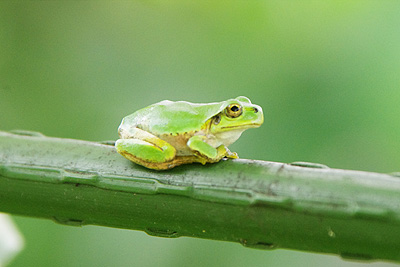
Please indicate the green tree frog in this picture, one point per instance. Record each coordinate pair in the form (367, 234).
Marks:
(167, 134)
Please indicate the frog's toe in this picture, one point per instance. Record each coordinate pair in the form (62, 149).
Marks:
(232, 155)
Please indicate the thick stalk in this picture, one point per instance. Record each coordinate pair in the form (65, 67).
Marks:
(260, 204)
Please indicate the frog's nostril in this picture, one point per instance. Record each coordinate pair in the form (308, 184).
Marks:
(255, 110)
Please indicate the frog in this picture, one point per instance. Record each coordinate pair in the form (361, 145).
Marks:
(171, 133)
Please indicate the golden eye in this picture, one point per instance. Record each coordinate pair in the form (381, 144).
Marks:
(233, 110)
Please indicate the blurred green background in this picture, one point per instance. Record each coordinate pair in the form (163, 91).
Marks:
(327, 74)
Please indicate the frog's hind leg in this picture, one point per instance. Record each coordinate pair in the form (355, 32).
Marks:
(145, 149)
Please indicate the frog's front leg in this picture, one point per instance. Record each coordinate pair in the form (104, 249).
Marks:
(145, 148)
(211, 154)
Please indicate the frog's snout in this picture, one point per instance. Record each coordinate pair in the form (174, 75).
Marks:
(258, 112)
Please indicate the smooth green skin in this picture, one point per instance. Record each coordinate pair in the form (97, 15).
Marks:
(167, 134)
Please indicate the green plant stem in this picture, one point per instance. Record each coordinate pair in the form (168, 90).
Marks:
(260, 204)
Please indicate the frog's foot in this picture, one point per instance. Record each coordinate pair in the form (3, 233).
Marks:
(224, 152)
(229, 154)
(207, 153)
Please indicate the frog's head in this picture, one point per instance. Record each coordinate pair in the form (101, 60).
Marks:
(235, 116)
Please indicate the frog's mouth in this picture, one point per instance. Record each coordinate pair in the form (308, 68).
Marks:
(242, 126)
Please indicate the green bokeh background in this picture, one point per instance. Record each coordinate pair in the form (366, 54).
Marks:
(327, 74)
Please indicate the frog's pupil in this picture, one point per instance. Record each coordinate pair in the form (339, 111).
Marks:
(235, 108)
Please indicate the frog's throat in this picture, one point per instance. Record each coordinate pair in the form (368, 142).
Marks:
(228, 137)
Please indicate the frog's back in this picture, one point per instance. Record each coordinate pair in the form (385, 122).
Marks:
(169, 117)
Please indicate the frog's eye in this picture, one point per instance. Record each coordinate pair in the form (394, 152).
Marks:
(233, 110)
